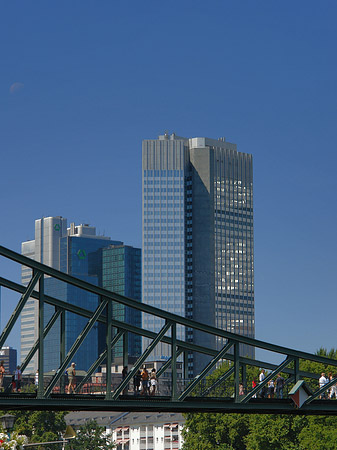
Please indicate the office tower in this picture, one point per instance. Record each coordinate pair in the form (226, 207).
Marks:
(9, 356)
(45, 248)
(72, 250)
(122, 274)
(198, 237)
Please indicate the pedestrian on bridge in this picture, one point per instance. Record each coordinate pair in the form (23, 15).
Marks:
(2, 374)
(72, 378)
(254, 384)
(153, 382)
(124, 375)
(17, 378)
(333, 390)
(322, 382)
(280, 382)
(145, 382)
(271, 388)
(136, 382)
(261, 378)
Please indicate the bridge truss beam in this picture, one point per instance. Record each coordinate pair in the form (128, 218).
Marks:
(183, 395)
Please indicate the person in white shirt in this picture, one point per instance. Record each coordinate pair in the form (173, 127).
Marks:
(322, 382)
(261, 378)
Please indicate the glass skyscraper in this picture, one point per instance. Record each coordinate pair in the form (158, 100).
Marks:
(122, 274)
(198, 248)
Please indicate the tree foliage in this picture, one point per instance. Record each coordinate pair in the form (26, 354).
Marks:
(91, 436)
(39, 426)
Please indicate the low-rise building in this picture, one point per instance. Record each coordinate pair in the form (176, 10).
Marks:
(136, 430)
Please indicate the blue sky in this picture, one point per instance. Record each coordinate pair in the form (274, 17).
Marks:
(83, 82)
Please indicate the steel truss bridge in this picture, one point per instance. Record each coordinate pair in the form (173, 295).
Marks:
(185, 395)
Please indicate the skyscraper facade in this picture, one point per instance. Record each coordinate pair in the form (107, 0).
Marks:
(198, 248)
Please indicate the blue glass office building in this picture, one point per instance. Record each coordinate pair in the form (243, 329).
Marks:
(80, 258)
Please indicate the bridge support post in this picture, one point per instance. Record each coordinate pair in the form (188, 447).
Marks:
(185, 366)
(174, 361)
(40, 388)
(125, 349)
(236, 371)
(63, 344)
(296, 369)
(108, 350)
(244, 376)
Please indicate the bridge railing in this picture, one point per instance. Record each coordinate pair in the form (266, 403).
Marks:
(230, 382)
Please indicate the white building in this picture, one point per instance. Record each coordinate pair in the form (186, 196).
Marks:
(137, 431)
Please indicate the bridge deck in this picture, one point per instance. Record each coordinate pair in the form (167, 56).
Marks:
(97, 402)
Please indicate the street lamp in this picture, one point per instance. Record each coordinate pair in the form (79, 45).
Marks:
(7, 422)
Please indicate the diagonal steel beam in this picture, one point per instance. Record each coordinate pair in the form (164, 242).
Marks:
(149, 334)
(146, 333)
(117, 324)
(75, 347)
(278, 369)
(33, 350)
(141, 359)
(202, 375)
(224, 377)
(29, 289)
(98, 361)
(159, 312)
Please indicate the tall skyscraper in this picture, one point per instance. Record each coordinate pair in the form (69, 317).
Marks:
(198, 248)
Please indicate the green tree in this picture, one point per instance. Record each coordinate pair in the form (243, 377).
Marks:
(39, 426)
(274, 432)
(320, 433)
(91, 436)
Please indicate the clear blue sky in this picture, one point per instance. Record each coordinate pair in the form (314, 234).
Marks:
(83, 82)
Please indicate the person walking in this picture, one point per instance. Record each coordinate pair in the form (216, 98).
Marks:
(2, 374)
(36, 379)
(280, 382)
(271, 389)
(333, 390)
(72, 378)
(124, 375)
(145, 382)
(254, 384)
(322, 382)
(153, 382)
(17, 378)
(261, 378)
(136, 382)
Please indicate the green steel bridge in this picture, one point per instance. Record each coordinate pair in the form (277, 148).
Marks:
(185, 395)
